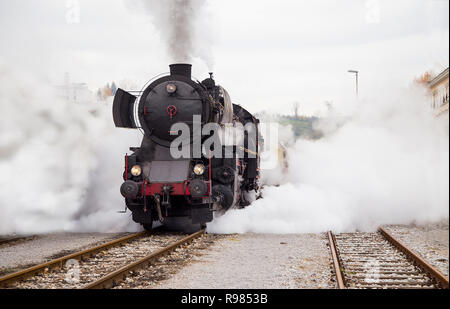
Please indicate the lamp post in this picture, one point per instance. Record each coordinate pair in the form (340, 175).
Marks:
(356, 75)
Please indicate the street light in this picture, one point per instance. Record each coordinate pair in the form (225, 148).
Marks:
(356, 74)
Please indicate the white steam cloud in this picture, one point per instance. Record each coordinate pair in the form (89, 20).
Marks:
(181, 25)
(61, 163)
(61, 167)
(388, 163)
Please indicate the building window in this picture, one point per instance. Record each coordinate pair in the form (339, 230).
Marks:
(435, 94)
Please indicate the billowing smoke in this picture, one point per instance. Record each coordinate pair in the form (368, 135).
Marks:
(385, 163)
(61, 163)
(181, 26)
(61, 167)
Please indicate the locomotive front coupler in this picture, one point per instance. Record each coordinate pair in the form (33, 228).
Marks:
(166, 191)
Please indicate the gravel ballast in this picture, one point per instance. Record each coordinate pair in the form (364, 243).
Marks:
(430, 241)
(18, 255)
(99, 264)
(258, 261)
(244, 261)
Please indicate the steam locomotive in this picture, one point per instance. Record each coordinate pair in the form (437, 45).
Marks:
(162, 185)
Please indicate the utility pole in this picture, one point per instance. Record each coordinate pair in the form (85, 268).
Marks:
(356, 75)
(296, 106)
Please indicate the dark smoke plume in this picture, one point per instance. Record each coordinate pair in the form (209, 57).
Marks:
(178, 22)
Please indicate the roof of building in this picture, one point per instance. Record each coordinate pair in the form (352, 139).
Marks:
(439, 78)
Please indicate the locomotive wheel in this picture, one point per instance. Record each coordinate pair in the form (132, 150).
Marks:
(225, 195)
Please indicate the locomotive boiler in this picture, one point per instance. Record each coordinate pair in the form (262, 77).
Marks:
(193, 174)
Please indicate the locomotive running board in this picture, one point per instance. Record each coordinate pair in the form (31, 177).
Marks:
(123, 109)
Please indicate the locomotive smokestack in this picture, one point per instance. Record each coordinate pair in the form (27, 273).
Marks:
(182, 69)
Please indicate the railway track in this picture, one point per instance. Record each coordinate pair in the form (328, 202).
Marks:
(379, 261)
(113, 278)
(102, 266)
(8, 240)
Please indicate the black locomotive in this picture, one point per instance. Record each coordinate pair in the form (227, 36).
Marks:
(159, 186)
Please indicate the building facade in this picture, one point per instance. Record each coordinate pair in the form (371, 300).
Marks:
(74, 92)
(439, 91)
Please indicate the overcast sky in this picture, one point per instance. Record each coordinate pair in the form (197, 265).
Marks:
(267, 53)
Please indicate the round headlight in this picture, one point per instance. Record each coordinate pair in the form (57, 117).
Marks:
(199, 169)
(171, 88)
(136, 171)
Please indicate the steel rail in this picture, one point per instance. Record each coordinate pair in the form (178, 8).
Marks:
(59, 263)
(416, 259)
(336, 264)
(113, 278)
(435, 275)
(4, 241)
